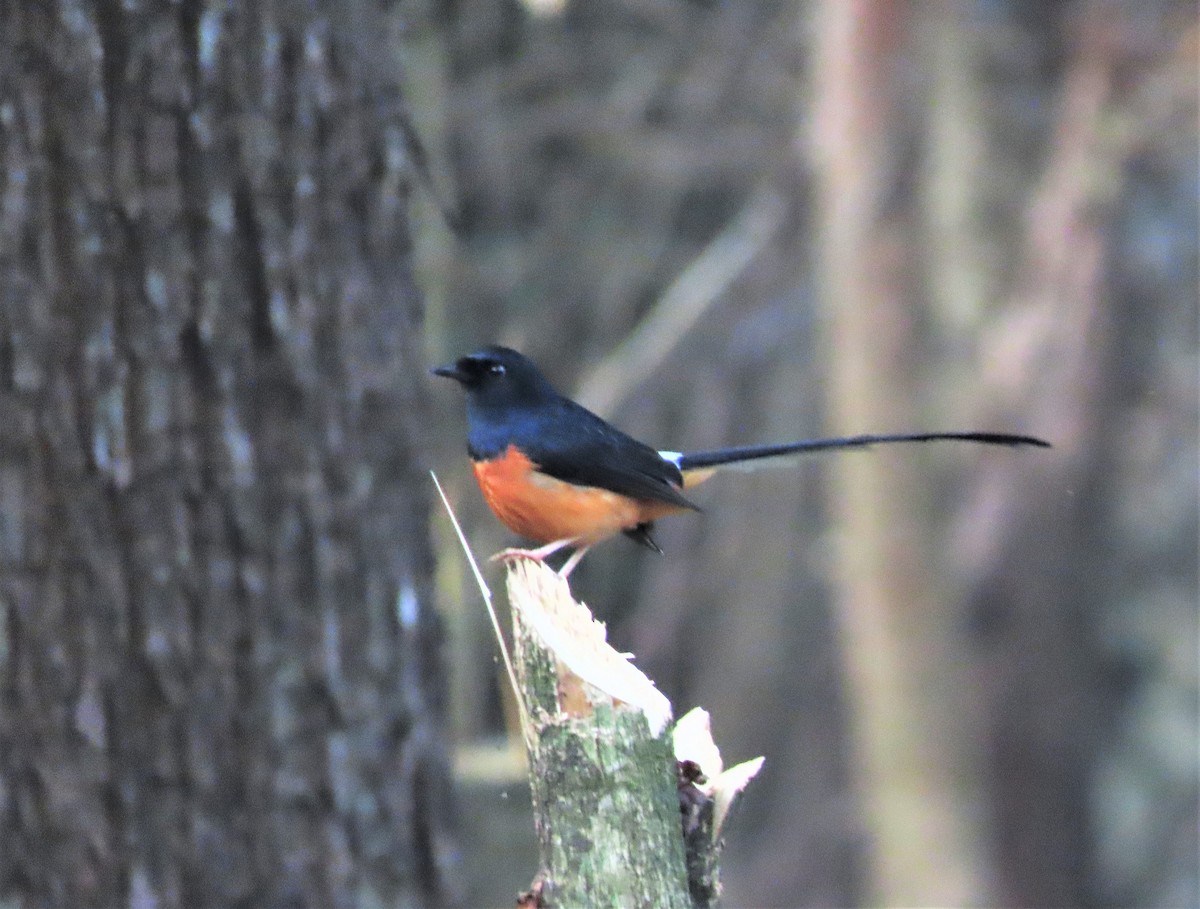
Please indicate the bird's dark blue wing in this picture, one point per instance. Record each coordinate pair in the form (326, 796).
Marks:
(570, 443)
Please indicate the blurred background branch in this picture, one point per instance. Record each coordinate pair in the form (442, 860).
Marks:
(694, 291)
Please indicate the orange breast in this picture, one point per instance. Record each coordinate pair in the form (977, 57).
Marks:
(545, 510)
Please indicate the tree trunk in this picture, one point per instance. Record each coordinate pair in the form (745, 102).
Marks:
(1038, 627)
(219, 666)
(910, 696)
(602, 768)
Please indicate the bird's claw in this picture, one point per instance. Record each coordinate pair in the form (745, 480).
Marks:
(510, 555)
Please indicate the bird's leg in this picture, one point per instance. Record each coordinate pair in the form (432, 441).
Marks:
(538, 555)
(574, 560)
(542, 552)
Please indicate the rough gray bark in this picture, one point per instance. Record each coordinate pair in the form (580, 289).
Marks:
(219, 681)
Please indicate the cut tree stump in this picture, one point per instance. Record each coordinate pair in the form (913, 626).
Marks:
(628, 809)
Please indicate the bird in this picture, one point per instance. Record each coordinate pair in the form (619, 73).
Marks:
(557, 474)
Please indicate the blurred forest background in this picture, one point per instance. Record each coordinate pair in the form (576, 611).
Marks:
(973, 673)
(241, 662)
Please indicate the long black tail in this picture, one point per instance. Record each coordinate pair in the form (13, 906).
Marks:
(750, 453)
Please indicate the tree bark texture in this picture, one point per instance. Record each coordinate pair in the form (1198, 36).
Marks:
(219, 681)
(602, 766)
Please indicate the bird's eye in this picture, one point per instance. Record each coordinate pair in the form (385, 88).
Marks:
(496, 369)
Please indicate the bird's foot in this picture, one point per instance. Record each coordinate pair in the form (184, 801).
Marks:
(537, 555)
(541, 553)
(510, 555)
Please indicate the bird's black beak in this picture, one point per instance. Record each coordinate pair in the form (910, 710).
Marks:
(450, 371)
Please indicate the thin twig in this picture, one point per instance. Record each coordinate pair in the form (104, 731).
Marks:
(491, 609)
(691, 294)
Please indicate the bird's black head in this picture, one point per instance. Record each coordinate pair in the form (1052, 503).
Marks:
(497, 377)
(507, 399)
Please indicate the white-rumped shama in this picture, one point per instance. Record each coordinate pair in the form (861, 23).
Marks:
(556, 473)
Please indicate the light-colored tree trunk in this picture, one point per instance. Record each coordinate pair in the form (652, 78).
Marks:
(917, 782)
